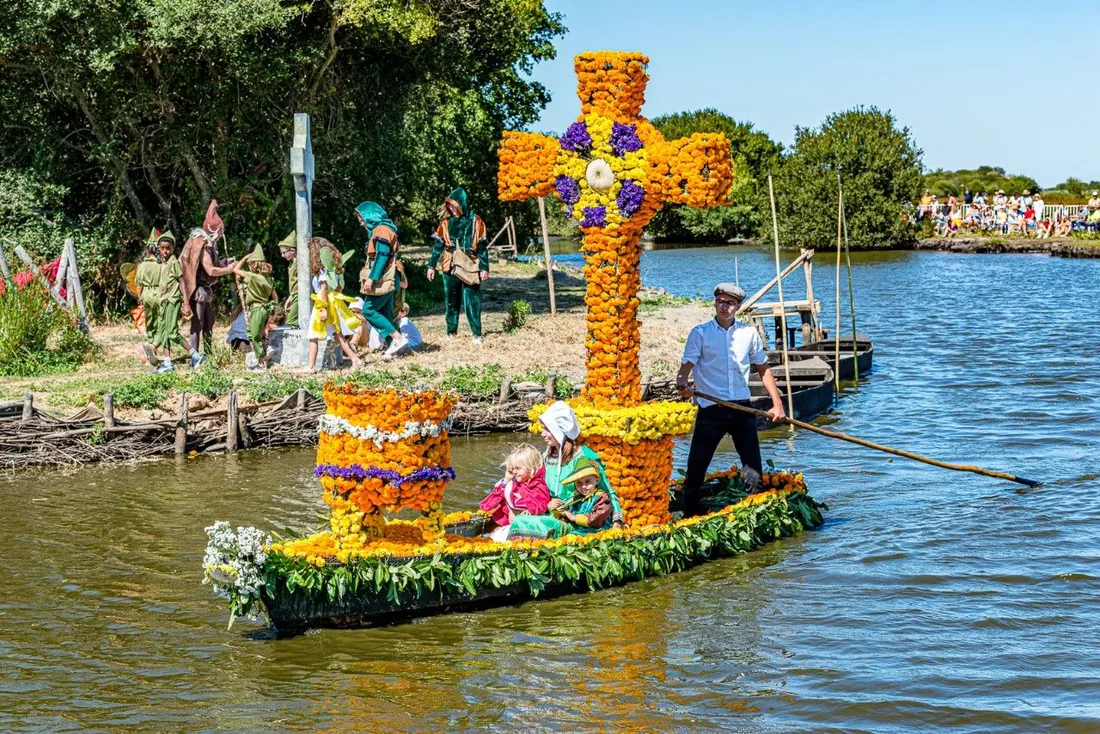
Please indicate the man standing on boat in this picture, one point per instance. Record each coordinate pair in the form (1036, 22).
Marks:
(721, 353)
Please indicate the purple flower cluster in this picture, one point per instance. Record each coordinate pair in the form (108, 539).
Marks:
(389, 476)
(576, 138)
(630, 198)
(568, 189)
(624, 139)
(594, 216)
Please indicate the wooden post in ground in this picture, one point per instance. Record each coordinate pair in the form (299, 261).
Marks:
(109, 410)
(552, 385)
(28, 407)
(5, 271)
(181, 426)
(300, 399)
(62, 275)
(231, 429)
(505, 391)
(546, 249)
(73, 287)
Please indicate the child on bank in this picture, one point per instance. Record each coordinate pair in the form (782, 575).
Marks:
(259, 301)
(522, 491)
(331, 315)
(171, 303)
(148, 284)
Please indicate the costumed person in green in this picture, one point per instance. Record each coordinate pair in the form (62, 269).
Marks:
(288, 248)
(148, 284)
(565, 454)
(259, 299)
(378, 278)
(171, 302)
(591, 509)
(460, 252)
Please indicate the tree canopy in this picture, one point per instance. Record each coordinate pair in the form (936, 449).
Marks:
(881, 171)
(754, 155)
(982, 179)
(124, 114)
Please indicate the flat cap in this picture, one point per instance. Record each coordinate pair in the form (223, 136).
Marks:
(730, 289)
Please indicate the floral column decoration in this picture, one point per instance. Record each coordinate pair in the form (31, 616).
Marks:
(383, 449)
(613, 170)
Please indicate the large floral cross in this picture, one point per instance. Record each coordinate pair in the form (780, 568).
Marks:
(613, 170)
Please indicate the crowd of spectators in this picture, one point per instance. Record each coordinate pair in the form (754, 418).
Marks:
(1020, 214)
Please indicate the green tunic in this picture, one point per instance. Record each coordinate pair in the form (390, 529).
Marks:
(292, 292)
(148, 279)
(258, 290)
(168, 333)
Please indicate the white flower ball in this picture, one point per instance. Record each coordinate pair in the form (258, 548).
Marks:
(599, 175)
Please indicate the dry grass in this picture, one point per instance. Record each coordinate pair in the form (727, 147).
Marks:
(546, 343)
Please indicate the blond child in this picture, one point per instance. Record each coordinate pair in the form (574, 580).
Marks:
(522, 490)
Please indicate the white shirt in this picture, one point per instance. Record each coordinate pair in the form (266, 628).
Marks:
(407, 328)
(722, 359)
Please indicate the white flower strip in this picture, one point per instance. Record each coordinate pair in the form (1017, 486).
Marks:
(334, 425)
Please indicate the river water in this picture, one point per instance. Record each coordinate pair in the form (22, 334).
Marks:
(928, 599)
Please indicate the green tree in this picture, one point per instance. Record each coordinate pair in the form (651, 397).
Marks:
(984, 178)
(754, 155)
(142, 110)
(881, 169)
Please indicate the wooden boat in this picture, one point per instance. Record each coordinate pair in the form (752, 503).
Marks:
(826, 350)
(812, 383)
(393, 589)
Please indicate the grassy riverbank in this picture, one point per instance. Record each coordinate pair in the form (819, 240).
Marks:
(543, 344)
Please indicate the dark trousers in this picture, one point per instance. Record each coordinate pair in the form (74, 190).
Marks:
(202, 318)
(711, 425)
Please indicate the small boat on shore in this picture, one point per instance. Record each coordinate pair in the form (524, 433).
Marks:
(826, 351)
(811, 384)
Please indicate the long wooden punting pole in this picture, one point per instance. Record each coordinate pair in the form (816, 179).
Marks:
(873, 445)
(836, 334)
(851, 290)
(782, 305)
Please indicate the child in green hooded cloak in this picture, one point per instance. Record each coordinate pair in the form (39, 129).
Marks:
(460, 231)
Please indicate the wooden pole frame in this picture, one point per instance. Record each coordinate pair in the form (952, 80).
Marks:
(546, 250)
(851, 294)
(782, 305)
(836, 334)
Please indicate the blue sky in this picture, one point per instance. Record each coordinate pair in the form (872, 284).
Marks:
(1007, 84)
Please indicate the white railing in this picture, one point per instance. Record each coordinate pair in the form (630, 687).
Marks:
(1050, 211)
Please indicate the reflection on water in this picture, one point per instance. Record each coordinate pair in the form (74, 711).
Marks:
(929, 599)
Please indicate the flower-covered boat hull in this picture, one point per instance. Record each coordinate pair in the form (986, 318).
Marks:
(382, 590)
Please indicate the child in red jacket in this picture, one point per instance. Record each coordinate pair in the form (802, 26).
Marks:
(522, 490)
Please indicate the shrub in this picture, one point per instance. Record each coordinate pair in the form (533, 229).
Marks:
(474, 382)
(517, 315)
(146, 391)
(36, 336)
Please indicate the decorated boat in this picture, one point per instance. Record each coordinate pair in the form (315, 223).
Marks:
(385, 451)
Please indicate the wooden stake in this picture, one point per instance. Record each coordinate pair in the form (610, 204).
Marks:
(62, 274)
(546, 249)
(231, 422)
(75, 289)
(5, 271)
(28, 407)
(181, 426)
(877, 446)
(109, 410)
(552, 385)
(782, 305)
